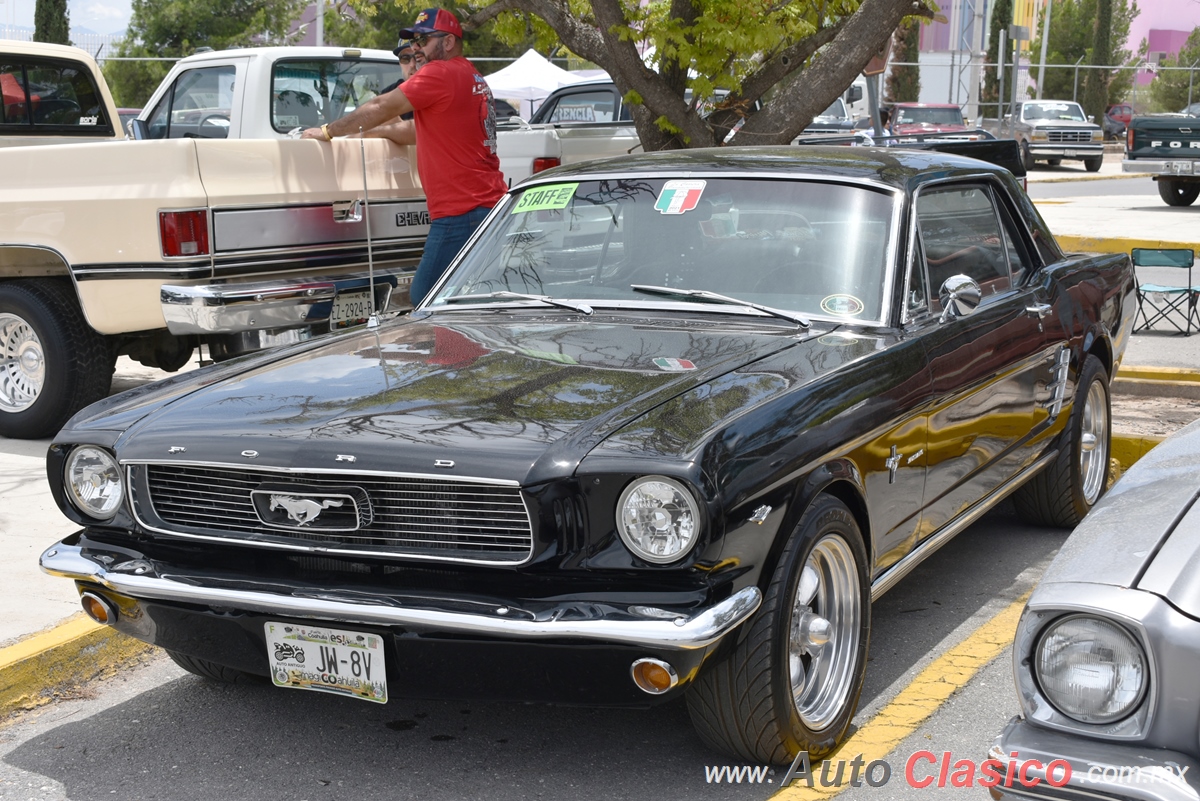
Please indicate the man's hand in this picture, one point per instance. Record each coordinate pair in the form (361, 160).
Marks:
(313, 133)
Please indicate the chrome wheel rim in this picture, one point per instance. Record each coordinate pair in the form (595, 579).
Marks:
(1093, 443)
(22, 364)
(823, 641)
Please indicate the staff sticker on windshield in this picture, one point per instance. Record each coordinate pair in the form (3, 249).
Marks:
(674, 365)
(842, 305)
(677, 197)
(545, 198)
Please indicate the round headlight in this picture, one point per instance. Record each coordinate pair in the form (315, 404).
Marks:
(1090, 669)
(658, 519)
(94, 482)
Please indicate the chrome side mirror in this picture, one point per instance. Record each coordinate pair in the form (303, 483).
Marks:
(960, 296)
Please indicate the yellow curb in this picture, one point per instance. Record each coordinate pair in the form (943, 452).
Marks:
(1067, 178)
(917, 702)
(36, 670)
(1128, 449)
(1158, 373)
(1099, 244)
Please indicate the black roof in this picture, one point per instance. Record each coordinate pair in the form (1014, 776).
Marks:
(891, 166)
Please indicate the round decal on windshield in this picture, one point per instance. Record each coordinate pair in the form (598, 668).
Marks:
(842, 305)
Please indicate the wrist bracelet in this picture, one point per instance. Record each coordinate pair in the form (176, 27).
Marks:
(325, 130)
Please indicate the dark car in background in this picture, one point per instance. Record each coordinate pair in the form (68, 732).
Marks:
(666, 427)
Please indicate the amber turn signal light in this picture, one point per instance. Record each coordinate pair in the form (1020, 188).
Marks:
(653, 676)
(98, 608)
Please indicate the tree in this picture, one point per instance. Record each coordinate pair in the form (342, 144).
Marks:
(904, 83)
(175, 28)
(1095, 91)
(1072, 34)
(1002, 17)
(1170, 90)
(52, 22)
(379, 25)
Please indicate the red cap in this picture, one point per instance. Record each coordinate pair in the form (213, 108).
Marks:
(433, 20)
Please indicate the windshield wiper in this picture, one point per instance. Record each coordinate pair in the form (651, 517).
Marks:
(566, 304)
(706, 295)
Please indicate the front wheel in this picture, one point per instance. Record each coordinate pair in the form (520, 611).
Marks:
(212, 671)
(1066, 490)
(1026, 157)
(793, 679)
(1178, 193)
(1093, 164)
(52, 363)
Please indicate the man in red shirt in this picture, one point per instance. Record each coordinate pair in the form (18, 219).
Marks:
(456, 125)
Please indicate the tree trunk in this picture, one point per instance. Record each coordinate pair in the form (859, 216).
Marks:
(1095, 92)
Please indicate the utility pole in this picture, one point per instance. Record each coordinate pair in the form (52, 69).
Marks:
(320, 23)
(1045, 41)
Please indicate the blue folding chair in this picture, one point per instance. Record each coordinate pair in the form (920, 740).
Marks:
(1161, 303)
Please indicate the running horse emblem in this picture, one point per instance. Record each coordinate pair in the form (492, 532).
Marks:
(301, 510)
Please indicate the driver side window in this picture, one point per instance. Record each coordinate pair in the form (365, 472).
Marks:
(198, 105)
(961, 234)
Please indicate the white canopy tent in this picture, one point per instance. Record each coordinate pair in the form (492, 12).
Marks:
(529, 80)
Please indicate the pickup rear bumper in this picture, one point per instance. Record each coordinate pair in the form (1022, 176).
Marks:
(1171, 167)
(268, 305)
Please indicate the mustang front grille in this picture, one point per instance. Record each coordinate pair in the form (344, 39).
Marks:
(337, 513)
(1069, 136)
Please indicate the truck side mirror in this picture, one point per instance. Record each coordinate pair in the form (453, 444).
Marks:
(139, 129)
(854, 94)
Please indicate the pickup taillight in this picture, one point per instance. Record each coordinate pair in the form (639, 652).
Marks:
(183, 233)
(1128, 140)
(545, 164)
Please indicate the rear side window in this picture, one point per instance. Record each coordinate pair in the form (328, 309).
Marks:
(313, 92)
(196, 106)
(50, 97)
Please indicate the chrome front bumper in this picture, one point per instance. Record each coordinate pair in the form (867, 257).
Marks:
(265, 306)
(636, 625)
(1098, 769)
(1058, 149)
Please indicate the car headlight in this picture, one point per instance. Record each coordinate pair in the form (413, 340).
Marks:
(658, 519)
(94, 482)
(1090, 669)
(1039, 136)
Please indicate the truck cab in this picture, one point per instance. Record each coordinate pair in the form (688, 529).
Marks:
(51, 95)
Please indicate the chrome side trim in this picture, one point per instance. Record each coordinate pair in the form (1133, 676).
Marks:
(296, 226)
(681, 633)
(889, 579)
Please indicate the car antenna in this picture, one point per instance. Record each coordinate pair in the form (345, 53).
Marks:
(373, 320)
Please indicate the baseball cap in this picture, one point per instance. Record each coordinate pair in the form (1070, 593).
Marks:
(401, 46)
(432, 20)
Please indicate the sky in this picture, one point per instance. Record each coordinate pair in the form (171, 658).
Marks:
(1169, 15)
(101, 16)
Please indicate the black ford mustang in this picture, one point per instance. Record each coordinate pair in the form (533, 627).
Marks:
(668, 424)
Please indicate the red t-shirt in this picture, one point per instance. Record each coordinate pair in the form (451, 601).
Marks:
(456, 137)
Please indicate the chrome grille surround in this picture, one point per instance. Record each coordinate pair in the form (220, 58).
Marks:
(415, 516)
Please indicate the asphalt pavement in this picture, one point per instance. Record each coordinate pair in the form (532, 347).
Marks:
(46, 644)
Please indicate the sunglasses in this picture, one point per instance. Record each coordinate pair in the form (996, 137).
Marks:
(423, 39)
(407, 58)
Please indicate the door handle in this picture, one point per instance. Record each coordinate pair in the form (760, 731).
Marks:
(1042, 310)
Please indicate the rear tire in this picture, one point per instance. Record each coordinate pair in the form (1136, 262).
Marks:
(212, 671)
(1065, 491)
(794, 676)
(1054, 162)
(52, 363)
(1178, 193)
(1093, 164)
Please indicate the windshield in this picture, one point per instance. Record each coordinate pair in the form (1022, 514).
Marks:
(819, 249)
(928, 116)
(1053, 111)
(836, 109)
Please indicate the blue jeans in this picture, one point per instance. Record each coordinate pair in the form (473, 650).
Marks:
(446, 237)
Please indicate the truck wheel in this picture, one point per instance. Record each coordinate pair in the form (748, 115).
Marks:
(1069, 487)
(1093, 164)
(1178, 193)
(52, 363)
(1026, 157)
(793, 678)
(1054, 162)
(212, 671)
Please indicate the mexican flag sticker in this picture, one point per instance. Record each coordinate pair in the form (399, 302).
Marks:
(677, 197)
(673, 365)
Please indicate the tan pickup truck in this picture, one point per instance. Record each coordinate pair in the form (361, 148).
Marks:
(153, 248)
